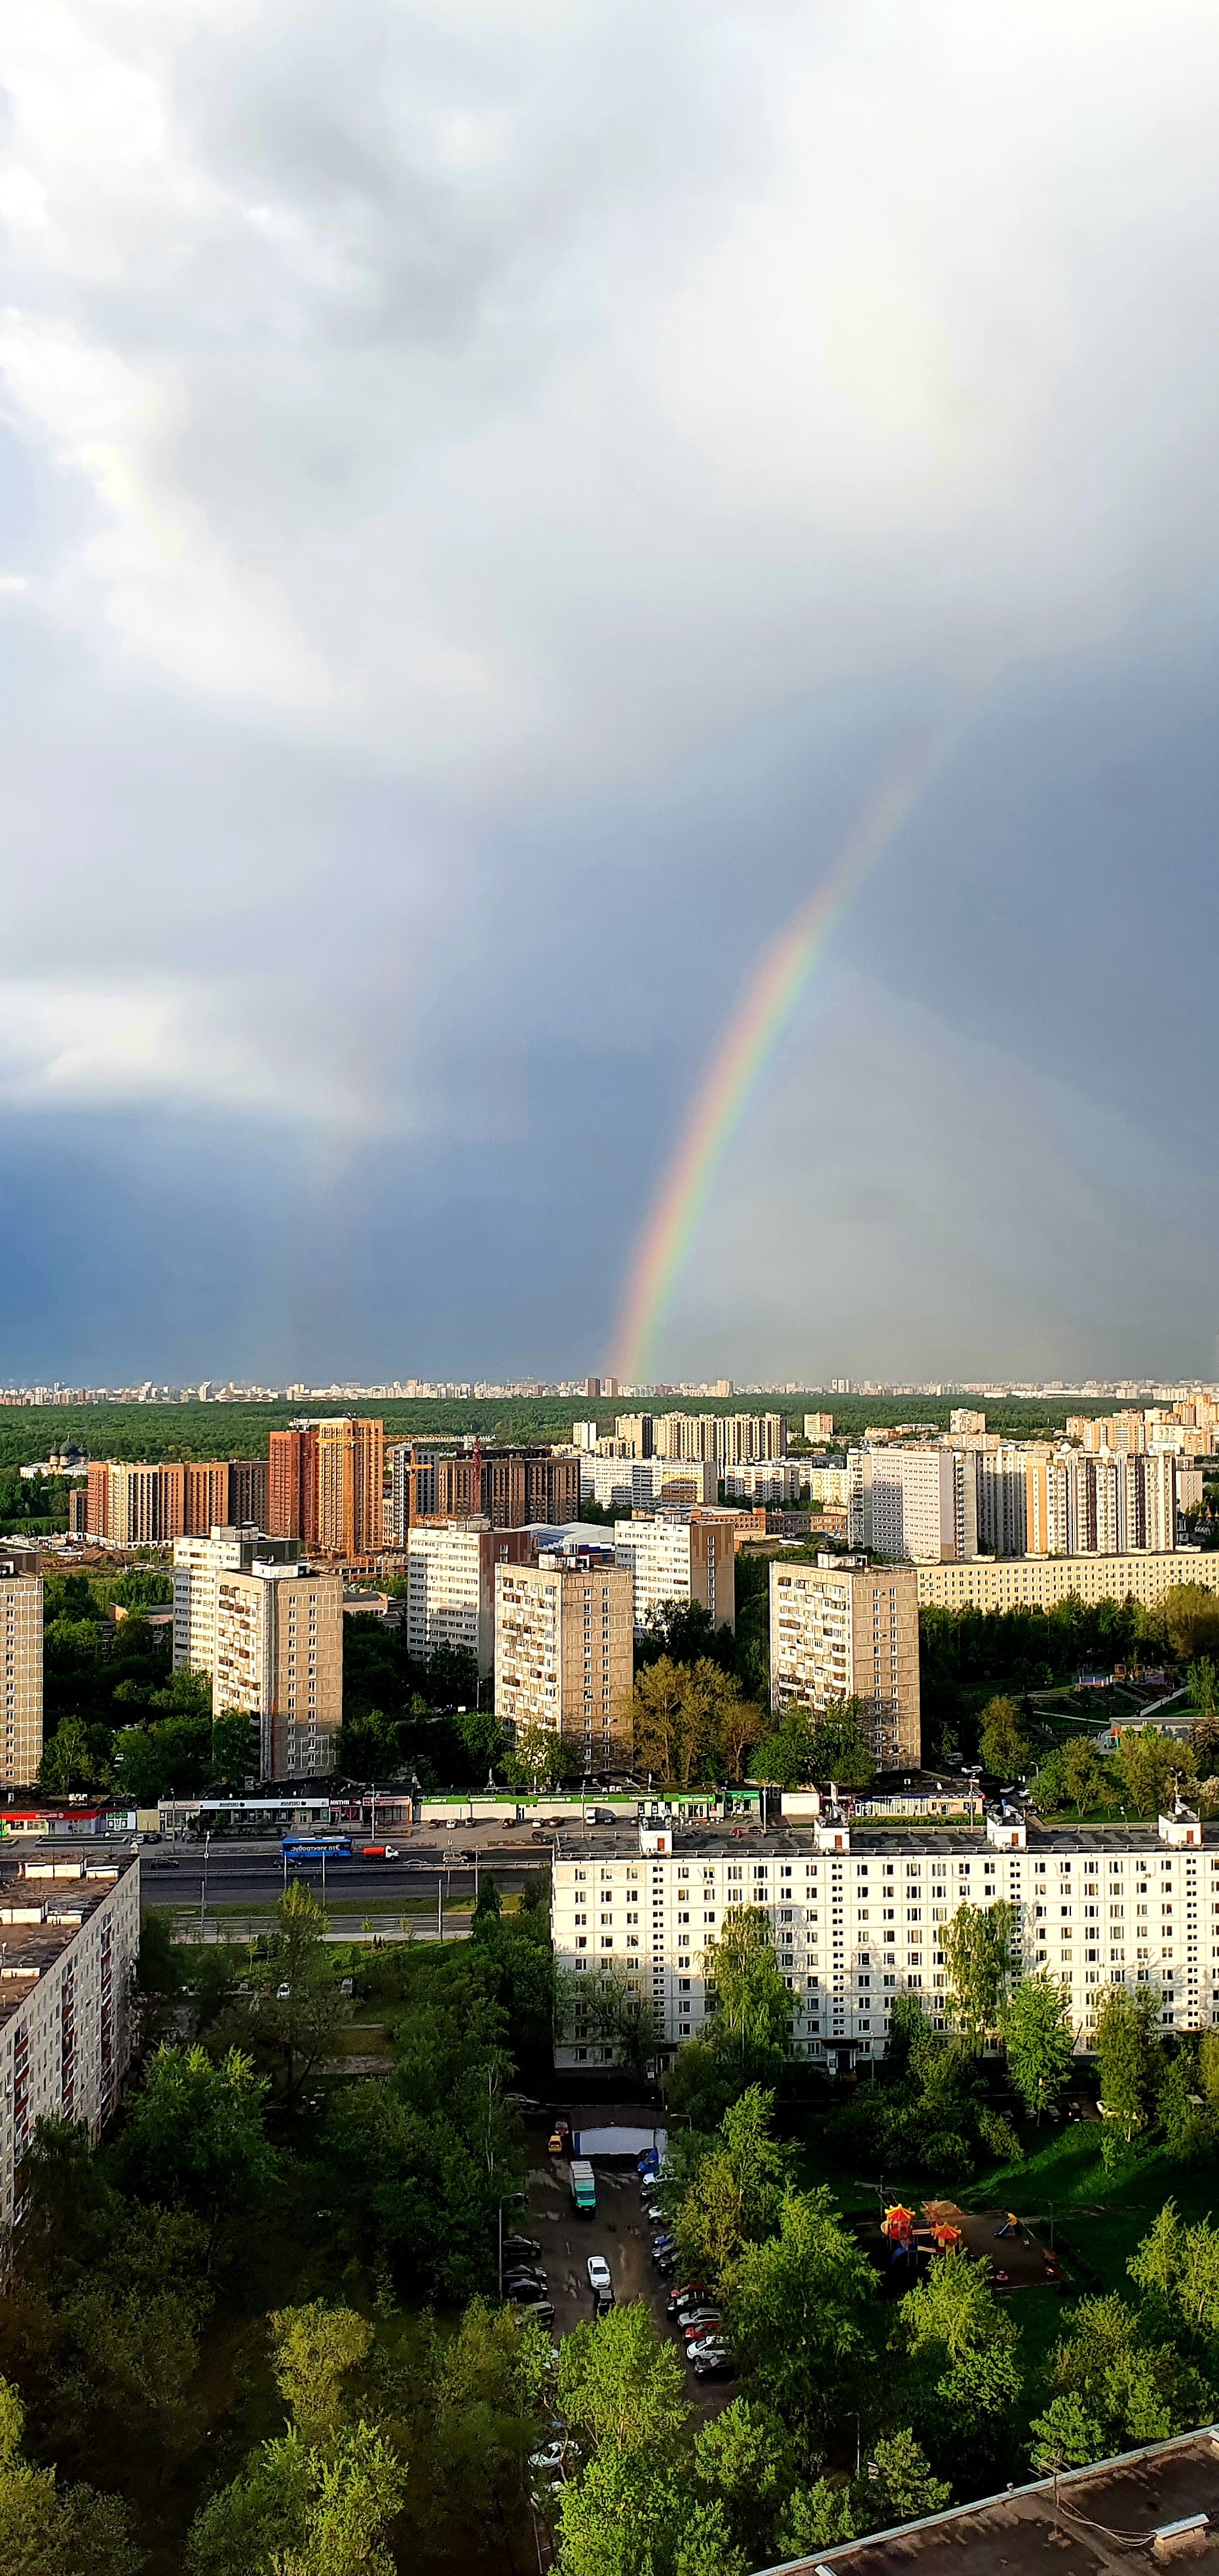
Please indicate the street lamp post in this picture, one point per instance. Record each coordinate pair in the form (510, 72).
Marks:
(207, 1841)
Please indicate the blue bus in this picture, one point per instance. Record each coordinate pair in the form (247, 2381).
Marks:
(317, 1847)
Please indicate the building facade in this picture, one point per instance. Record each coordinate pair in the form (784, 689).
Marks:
(564, 1652)
(132, 1504)
(21, 1663)
(850, 1631)
(71, 1936)
(857, 1918)
(919, 1503)
(325, 1485)
(279, 1659)
(679, 1560)
(450, 1575)
(1039, 1582)
(509, 1487)
(198, 1565)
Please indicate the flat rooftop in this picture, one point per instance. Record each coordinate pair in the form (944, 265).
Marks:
(793, 1842)
(43, 1903)
(1114, 2517)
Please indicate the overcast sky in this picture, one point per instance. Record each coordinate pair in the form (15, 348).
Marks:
(487, 492)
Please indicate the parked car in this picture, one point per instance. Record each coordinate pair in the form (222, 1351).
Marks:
(696, 2322)
(521, 2291)
(542, 2312)
(663, 2246)
(548, 2460)
(713, 2342)
(715, 2365)
(521, 2245)
(557, 2141)
(666, 2265)
(602, 2304)
(598, 2272)
(690, 2295)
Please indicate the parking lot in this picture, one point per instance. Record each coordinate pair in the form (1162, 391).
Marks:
(619, 2230)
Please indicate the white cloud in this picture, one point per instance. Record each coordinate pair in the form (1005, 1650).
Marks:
(80, 1046)
(417, 359)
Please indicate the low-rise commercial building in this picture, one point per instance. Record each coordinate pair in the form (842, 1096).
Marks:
(857, 1917)
(71, 1935)
(843, 1629)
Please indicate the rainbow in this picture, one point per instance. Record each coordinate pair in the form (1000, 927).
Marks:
(748, 1043)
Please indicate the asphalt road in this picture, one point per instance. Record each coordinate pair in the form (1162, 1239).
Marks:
(173, 1874)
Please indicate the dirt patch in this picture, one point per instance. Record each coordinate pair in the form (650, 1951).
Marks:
(1019, 2261)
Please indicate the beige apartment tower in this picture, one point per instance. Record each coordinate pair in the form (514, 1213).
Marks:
(279, 1657)
(678, 1561)
(846, 1630)
(564, 1653)
(21, 1664)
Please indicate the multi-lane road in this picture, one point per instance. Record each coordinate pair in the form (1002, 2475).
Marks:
(253, 1874)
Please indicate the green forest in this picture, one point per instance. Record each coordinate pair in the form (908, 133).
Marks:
(192, 1430)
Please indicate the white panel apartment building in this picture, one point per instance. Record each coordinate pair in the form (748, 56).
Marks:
(198, 1565)
(637, 1484)
(857, 1918)
(71, 1933)
(20, 1664)
(450, 1577)
(919, 1503)
(846, 1630)
(564, 1651)
(674, 1559)
(279, 1658)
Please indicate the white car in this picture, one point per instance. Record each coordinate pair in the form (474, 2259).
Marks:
(598, 2273)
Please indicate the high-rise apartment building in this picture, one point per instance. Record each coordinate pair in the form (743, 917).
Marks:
(20, 1663)
(678, 1560)
(1002, 1496)
(564, 1652)
(279, 1658)
(840, 1630)
(410, 1487)
(1078, 1504)
(326, 1483)
(509, 1487)
(198, 1565)
(292, 1485)
(818, 1426)
(730, 1439)
(450, 1576)
(640, 1484)
(132, 1504)
(71, 1939)
(637, 1430)
(350, 1486)
(920, 1503)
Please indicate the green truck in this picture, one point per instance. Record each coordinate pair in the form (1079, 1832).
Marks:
(583, 2187)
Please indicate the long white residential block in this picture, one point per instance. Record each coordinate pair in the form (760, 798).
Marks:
(857, 1917)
